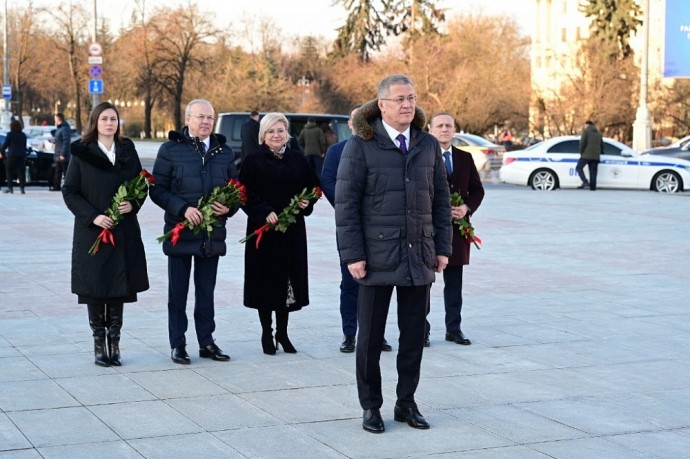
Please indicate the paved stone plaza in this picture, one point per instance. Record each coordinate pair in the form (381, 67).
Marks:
(578, 307)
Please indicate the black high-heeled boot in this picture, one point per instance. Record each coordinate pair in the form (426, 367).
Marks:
(267, 343)
(114, 317)
(97, 323)
(281, 332)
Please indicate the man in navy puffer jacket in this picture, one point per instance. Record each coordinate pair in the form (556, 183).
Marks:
(189, 166)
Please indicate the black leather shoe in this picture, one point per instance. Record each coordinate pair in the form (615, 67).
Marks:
(427, 341)
(372, 422)
(385, 347)
(348, 345)
(213, 352)
(458, 337)
(411, 415)
(583, 186)
(179, 355)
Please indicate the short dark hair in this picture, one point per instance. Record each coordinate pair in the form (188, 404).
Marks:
(590, 122)
(311, 120)
(15, 125)
(254, 113)
(60, 116)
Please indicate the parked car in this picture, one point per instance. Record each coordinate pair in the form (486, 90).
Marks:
(483, 151)
(230, 125)
(38, 165)
(680, 149)
(551, 164)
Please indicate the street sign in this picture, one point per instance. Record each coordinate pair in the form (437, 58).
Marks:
(95, 86)
(95, 60)
(95, 49)
(6, 91)
(96, 71)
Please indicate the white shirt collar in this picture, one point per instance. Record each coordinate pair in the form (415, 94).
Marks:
(393, 133)
(109, 153)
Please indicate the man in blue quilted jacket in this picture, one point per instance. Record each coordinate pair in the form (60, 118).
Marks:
(188, 166)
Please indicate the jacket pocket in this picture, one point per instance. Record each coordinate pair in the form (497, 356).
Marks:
(428, 246)
(177, 176)
(382, 248)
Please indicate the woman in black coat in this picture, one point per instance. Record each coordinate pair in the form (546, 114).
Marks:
(14, 153)
(275, 276)
(101, 162)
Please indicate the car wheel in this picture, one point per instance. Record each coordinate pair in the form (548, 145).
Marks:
(667, 182)
(543, 180)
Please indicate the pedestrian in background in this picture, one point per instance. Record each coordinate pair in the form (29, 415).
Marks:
(14, 153)
(591, 148)
(102, 161)
(188, 166)
(392, 210)
(463, 178)
(276, 270)
(349, 289)
(313, 142)
(63, 138)
(250, 135)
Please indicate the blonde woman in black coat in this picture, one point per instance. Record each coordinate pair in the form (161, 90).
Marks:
(101, 162)
(275, 274)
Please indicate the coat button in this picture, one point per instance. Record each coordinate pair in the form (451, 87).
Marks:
(380, 236)
(410, 245)
(407, 180)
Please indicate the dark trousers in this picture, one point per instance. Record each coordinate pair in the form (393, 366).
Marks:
(372, 312)
(593, 165)
(179, 270)
(452, 298)
(60, 169)
(14, 169)
(349, 289)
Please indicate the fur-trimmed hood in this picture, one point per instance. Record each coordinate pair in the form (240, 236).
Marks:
(370, 111)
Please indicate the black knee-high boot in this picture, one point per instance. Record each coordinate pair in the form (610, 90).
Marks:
(267, 343)
(281, 332)
(114, 315)
(98, 326)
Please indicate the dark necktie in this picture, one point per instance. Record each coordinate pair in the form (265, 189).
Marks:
(403, 147)
(449, 165)
(202, 147)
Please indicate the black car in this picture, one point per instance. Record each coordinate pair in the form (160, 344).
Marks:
(39, 165)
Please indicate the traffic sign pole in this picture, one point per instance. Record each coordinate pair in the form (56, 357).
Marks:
(96, 70)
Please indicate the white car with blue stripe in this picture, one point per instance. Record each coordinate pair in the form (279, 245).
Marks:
(551, 164)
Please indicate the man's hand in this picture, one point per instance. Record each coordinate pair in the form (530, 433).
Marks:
(459, 212)
(219, 209)
(441, 263)
(272, 218)
(193, 215)
(358, 269)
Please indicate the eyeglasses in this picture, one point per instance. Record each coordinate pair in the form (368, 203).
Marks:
(400, 100)
(203, 117)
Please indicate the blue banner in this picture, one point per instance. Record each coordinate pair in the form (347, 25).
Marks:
(677, 43)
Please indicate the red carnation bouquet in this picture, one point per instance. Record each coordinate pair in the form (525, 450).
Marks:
(286, 216)
(463, 224)
(131, 190)
(230, 195)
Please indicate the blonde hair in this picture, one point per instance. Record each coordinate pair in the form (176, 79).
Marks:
(269, 120)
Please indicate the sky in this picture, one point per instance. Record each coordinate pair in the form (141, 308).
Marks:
(294, 17)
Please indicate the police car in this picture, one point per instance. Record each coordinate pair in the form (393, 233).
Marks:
(551, 164)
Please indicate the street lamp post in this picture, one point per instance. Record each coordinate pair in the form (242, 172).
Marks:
(642, 127)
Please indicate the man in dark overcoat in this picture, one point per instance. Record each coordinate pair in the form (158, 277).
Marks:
(392, 210)
(463, 178)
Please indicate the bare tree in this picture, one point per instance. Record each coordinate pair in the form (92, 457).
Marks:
(70, 38)
(23, 62)
(179, 36)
